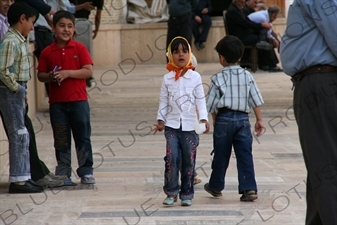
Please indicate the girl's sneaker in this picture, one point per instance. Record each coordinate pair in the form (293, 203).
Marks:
(186, 202)
(170, 200)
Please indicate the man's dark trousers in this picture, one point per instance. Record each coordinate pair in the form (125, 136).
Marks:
(179, 26)
(315, 107)
(43, 38)
(37, 168)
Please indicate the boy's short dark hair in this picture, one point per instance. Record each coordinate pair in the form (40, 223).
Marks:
(63, 14)
(175, 44)
(231, 48)
(20, 8)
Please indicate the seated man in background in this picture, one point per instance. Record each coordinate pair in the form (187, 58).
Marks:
(250, 7)
(270, 15)
(248, 32)
(200, 17)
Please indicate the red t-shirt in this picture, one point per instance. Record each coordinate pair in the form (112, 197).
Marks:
(73, 56)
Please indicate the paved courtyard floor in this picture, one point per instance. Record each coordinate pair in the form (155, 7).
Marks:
(129, 163)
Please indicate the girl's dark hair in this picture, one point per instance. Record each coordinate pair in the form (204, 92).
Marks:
(17, 9)
(175, 44)
(231, 48)
(63, 14)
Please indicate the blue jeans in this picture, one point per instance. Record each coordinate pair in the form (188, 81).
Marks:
(232, 129)
(12, 108)
(180, 145)
(72, 118)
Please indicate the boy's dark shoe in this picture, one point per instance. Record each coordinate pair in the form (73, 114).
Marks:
(29, 187)
(214, 193)
(248, 196)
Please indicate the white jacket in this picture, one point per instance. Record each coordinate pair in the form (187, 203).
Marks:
(180, 99)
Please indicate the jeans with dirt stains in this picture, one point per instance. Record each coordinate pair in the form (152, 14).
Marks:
(72, 118)
(12, 109)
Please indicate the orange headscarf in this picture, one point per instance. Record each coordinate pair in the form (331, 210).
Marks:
(171, 66)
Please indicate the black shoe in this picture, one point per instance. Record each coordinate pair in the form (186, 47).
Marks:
(248, 196)
(264, 45)
(29, 187)
(214, 193)
(245, 66)
(264, 68)
(197, 45)
(275, 69)
(201, 45)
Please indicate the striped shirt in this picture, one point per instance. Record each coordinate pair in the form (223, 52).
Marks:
(14, 59)
(233, 88)
(3, 26)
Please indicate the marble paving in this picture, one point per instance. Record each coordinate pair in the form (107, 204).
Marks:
(129, 162)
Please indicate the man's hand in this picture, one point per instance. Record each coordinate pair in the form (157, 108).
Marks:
(198, 19)
(276, 43)
(52, 11)
(49, 20)
(94, 33)
(204, 11)
(266, 25)
(87, 6)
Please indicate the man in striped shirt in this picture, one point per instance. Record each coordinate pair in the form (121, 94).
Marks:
(233, 92)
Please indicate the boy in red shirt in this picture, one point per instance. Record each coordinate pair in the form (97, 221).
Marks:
(67, 64)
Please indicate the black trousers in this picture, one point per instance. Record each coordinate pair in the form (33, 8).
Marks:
(265, 57)
(315, 107)
(43, 38)
(205, 26)
(37, 168)
(179, 26)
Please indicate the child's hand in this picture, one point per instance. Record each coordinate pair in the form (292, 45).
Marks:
(206, 125)
(259, 128)
(160, 126)
(60, 75)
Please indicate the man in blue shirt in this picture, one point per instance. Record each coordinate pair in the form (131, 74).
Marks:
(309, 55)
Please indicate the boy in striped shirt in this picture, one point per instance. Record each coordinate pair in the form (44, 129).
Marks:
(233, 93)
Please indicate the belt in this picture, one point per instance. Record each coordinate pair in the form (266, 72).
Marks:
(21, 82)
(225, 110)
(42, 29)
(312, 70)
(319, 69)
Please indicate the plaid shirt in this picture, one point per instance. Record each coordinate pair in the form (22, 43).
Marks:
(14, 59)
(233, 88)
